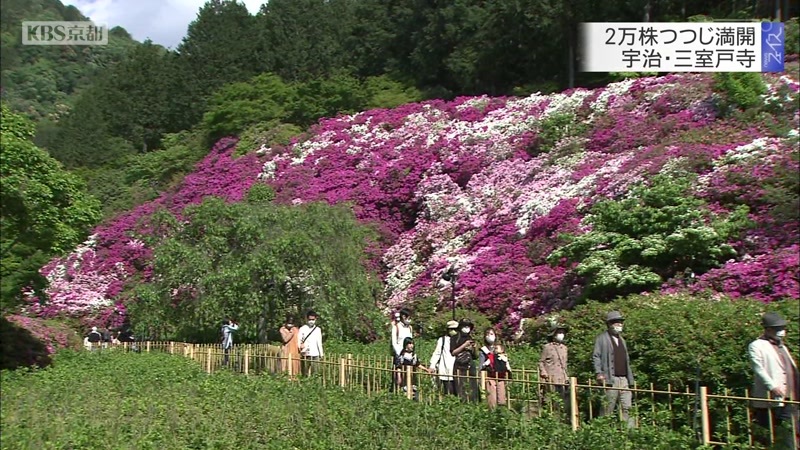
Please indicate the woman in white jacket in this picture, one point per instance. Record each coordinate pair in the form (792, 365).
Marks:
(442, 360)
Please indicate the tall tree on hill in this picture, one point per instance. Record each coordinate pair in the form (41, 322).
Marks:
(219, 48)
(304, 39)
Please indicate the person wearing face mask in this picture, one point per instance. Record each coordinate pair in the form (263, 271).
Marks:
(553, 363)
(401, 329)
(310, 343)
(462, 347)
(612, 366)
(291, 347)
(776, 377)
(495, 376)
(442, 360)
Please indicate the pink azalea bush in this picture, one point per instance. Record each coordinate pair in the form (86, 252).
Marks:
(469, 184)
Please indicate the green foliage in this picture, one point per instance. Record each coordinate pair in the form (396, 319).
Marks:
(139, 178)
(45, 208)
(669, 335)
(554, 128)
(236, 106)
(384, 92)
(659, 231)
(269, 134)
(791, 30)
(163, 401)
(38, 80)
(256, 262)
(741, 90)
(327, 97)
(782, 190)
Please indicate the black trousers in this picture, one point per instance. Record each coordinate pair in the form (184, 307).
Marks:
(466, 383)
(448, 387)
(782, 418)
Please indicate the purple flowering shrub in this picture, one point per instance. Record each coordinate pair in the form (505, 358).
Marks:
(90, 282)
(486, 186)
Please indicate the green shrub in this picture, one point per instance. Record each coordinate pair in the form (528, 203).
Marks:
(639, 242)
(669, 336)
(791, 31)
(740, 90)
(146, 401)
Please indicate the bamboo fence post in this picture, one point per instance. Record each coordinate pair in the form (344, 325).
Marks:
(409, 384)
(289, 368)
(342, 372)
(171, 347)
(208, 360)
(147, 345)
(247, 361)
(704, 413)
(573, 403)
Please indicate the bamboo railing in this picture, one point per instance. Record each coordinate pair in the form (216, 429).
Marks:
(718, 419)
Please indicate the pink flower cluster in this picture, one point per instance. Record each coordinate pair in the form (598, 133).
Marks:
(466, 184)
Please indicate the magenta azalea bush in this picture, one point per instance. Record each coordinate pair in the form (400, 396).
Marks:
(487, 185)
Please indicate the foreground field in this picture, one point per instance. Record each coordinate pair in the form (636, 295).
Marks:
(148, 401)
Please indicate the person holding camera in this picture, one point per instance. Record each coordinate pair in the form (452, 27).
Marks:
(462, 347)
(228, 327)
(290, 336)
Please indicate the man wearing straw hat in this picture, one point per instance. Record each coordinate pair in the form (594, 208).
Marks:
(776, 377)
(612, 365)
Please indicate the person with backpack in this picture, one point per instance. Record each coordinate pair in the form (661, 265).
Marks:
(401, 329)
(465, 375)
(228, 327)
(310, 343)
(442, 360)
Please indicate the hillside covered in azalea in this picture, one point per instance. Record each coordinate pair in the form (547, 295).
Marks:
(495, 187)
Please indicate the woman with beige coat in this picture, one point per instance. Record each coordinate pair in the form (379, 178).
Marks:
(553, 363)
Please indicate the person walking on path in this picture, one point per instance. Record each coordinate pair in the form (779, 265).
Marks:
(442, 360)
(776, 377)
(612, 366)
(290, 335)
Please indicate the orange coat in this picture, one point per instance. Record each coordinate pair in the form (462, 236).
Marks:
(291, 346)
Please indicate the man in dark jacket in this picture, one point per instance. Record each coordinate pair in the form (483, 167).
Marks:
(612, 366)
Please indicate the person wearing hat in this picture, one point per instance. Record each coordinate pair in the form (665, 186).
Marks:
(612, 366)
(442, 360)
(776, 377)
(553, 362)
(462, 347)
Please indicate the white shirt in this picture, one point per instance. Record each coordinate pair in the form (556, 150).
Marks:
(442, 355)
(313, 341)
(400, 331)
